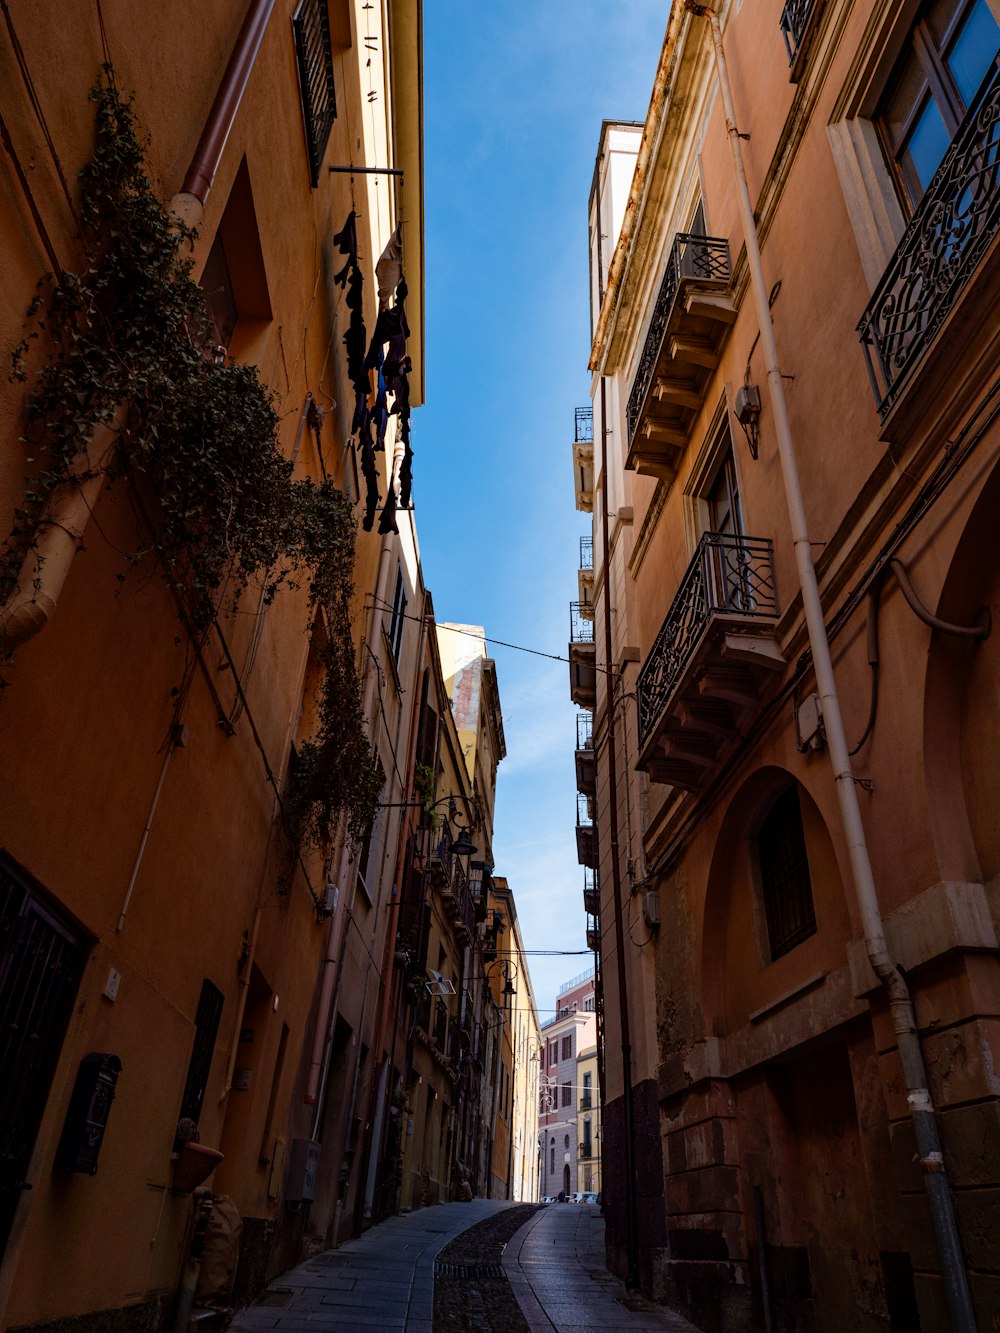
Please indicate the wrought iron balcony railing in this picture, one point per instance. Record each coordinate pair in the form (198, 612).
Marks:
(583, 425)
(584, 731)
(955, 222)
(583, 816)
(690, 257)
(581, 630)
(794, 18)
(586, 553)
(729, 575)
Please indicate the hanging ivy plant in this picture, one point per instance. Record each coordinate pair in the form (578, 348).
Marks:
(200, 436)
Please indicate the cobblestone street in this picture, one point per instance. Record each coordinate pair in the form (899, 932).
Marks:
(385, 1280)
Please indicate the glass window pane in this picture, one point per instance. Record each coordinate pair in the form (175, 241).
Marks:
(940, 15)
(973, 50)
(911, 87)
(926, 146)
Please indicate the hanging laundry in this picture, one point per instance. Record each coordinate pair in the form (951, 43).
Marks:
(351, 279)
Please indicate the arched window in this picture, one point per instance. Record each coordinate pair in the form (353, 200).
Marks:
(784, 875)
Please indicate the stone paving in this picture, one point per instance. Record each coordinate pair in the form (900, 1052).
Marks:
(555, 1266)
(384, 1280)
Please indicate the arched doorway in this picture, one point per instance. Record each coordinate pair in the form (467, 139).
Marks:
(566, 1185)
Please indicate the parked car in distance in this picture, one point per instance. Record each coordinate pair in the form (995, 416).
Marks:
(590, 1197)
(549, 1198)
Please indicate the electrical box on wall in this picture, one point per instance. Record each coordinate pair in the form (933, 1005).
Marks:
(651, 909)
(303, 1167)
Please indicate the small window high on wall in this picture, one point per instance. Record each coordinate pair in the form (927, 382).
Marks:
(314, 56)
(784, 875)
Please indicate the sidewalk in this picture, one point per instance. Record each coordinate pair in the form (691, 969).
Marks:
(555, 1266)
(384, 1280)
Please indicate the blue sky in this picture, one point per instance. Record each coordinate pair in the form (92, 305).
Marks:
(514, 98)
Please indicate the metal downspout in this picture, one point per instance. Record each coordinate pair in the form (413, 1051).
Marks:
(900, 1001)
(188, 205)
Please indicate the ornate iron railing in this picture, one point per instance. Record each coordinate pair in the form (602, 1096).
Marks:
(583, 425)
(463, 897)
(728, 575)
(586, 553)
(794, 18)
(705, 257)
(584, 731)
(583, 816)
(955, 222)
(581, 630)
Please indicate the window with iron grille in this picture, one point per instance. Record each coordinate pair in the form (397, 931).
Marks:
(398, 616)
(42, 959)
(314, 55)
(206, 1029)
(784, 875)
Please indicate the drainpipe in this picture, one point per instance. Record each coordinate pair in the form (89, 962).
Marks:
(188, 206)
(59, 537)
(898, 992)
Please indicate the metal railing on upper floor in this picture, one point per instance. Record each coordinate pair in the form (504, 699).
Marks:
(729, 574)
(955, 222)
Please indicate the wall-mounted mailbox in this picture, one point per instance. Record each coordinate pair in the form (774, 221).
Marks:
(87, 1116)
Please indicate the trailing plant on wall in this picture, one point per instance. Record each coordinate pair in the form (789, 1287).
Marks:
(199, 440)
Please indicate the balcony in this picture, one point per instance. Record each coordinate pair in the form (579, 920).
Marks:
(691, 320)
(594, 939)
(439, 862)
(583, 458)
(459, 908)
(582, 666)
(586, 771)
(586, 833)
(591, 893)
(798, 23)
(585, 577)
(929, 284)
(714, 660)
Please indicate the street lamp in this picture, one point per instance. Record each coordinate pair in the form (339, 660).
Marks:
(508, 971)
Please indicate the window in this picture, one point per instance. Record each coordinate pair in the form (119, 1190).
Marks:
(885, 125)
(723, 496)
(588, 1004)
(234, 279)
(567, 1047)
(314, 56)
(567, 1091)
(587, 1142)
(398, 616)
(553, 1054)
(552, 1161)
(586, 1102)
(42, 958)
(206, 1028)
(945, 59)
(784, 875)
